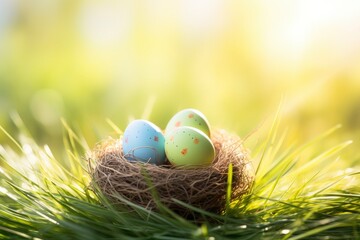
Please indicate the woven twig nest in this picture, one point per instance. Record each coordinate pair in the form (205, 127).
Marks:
(204, 187)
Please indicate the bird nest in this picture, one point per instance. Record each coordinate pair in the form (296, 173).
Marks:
(145, 184)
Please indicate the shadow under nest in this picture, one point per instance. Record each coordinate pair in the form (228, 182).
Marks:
(202, 187)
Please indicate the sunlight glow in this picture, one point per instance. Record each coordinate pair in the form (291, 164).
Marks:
(29, 154)
(46, 217)
(104, 24)
(3, 190)
(310, 33)
(6, 192)
(48, 151)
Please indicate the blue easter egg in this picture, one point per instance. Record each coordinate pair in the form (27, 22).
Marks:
(143, 141)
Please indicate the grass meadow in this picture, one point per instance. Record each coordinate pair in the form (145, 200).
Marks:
(283, 77)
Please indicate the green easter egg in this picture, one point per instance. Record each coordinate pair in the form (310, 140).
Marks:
(188, 146)
(190, 118)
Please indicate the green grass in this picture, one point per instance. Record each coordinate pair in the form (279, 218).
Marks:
(299, 193)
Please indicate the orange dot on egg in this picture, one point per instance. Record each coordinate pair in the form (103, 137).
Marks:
(184, 151)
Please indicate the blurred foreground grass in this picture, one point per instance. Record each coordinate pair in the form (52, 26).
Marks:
(299, 193)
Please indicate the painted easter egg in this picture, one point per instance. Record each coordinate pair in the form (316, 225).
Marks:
(143, 141)
(190, 118)
(188, 146)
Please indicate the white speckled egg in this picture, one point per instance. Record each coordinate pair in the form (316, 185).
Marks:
(188, 146)
(143, 141)
(190, 118)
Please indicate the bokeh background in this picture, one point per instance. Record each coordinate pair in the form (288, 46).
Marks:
(88, 61)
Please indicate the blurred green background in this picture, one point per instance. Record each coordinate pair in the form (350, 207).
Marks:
(87, 61)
